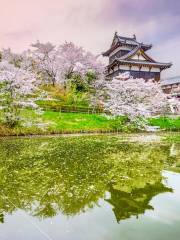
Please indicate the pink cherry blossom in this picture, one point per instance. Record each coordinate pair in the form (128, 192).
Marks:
(59, 63)
(135, 97)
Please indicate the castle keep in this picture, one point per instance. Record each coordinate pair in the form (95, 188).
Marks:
(127, 54)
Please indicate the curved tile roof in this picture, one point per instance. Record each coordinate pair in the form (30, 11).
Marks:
(132, 41)
(170, 81)
(126, 41)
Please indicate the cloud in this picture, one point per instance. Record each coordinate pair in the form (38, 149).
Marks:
(90, 23)
(148, 18)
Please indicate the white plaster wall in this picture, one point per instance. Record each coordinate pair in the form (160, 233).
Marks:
(135, 57)
(127, 68)
(155, 69)
(141, 57)
(145, 69)
(135, 68)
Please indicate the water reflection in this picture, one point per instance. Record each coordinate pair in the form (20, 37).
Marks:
(46, 177)
(126, 205)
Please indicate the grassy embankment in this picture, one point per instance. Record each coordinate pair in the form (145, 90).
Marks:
(55, 122)
(172, 124)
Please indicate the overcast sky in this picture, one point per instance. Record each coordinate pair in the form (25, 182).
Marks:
(92, 23)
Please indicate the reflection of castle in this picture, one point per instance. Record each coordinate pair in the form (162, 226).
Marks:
(126, 205)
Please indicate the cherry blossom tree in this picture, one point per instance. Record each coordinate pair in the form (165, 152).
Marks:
(135, 98)
(75, 59)
(16, 85)
(60, 63)
(24, 60)
(174, 105)
(11, 57)
(46, 62)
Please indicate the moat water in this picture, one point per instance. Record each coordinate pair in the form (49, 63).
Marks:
(89, 188)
